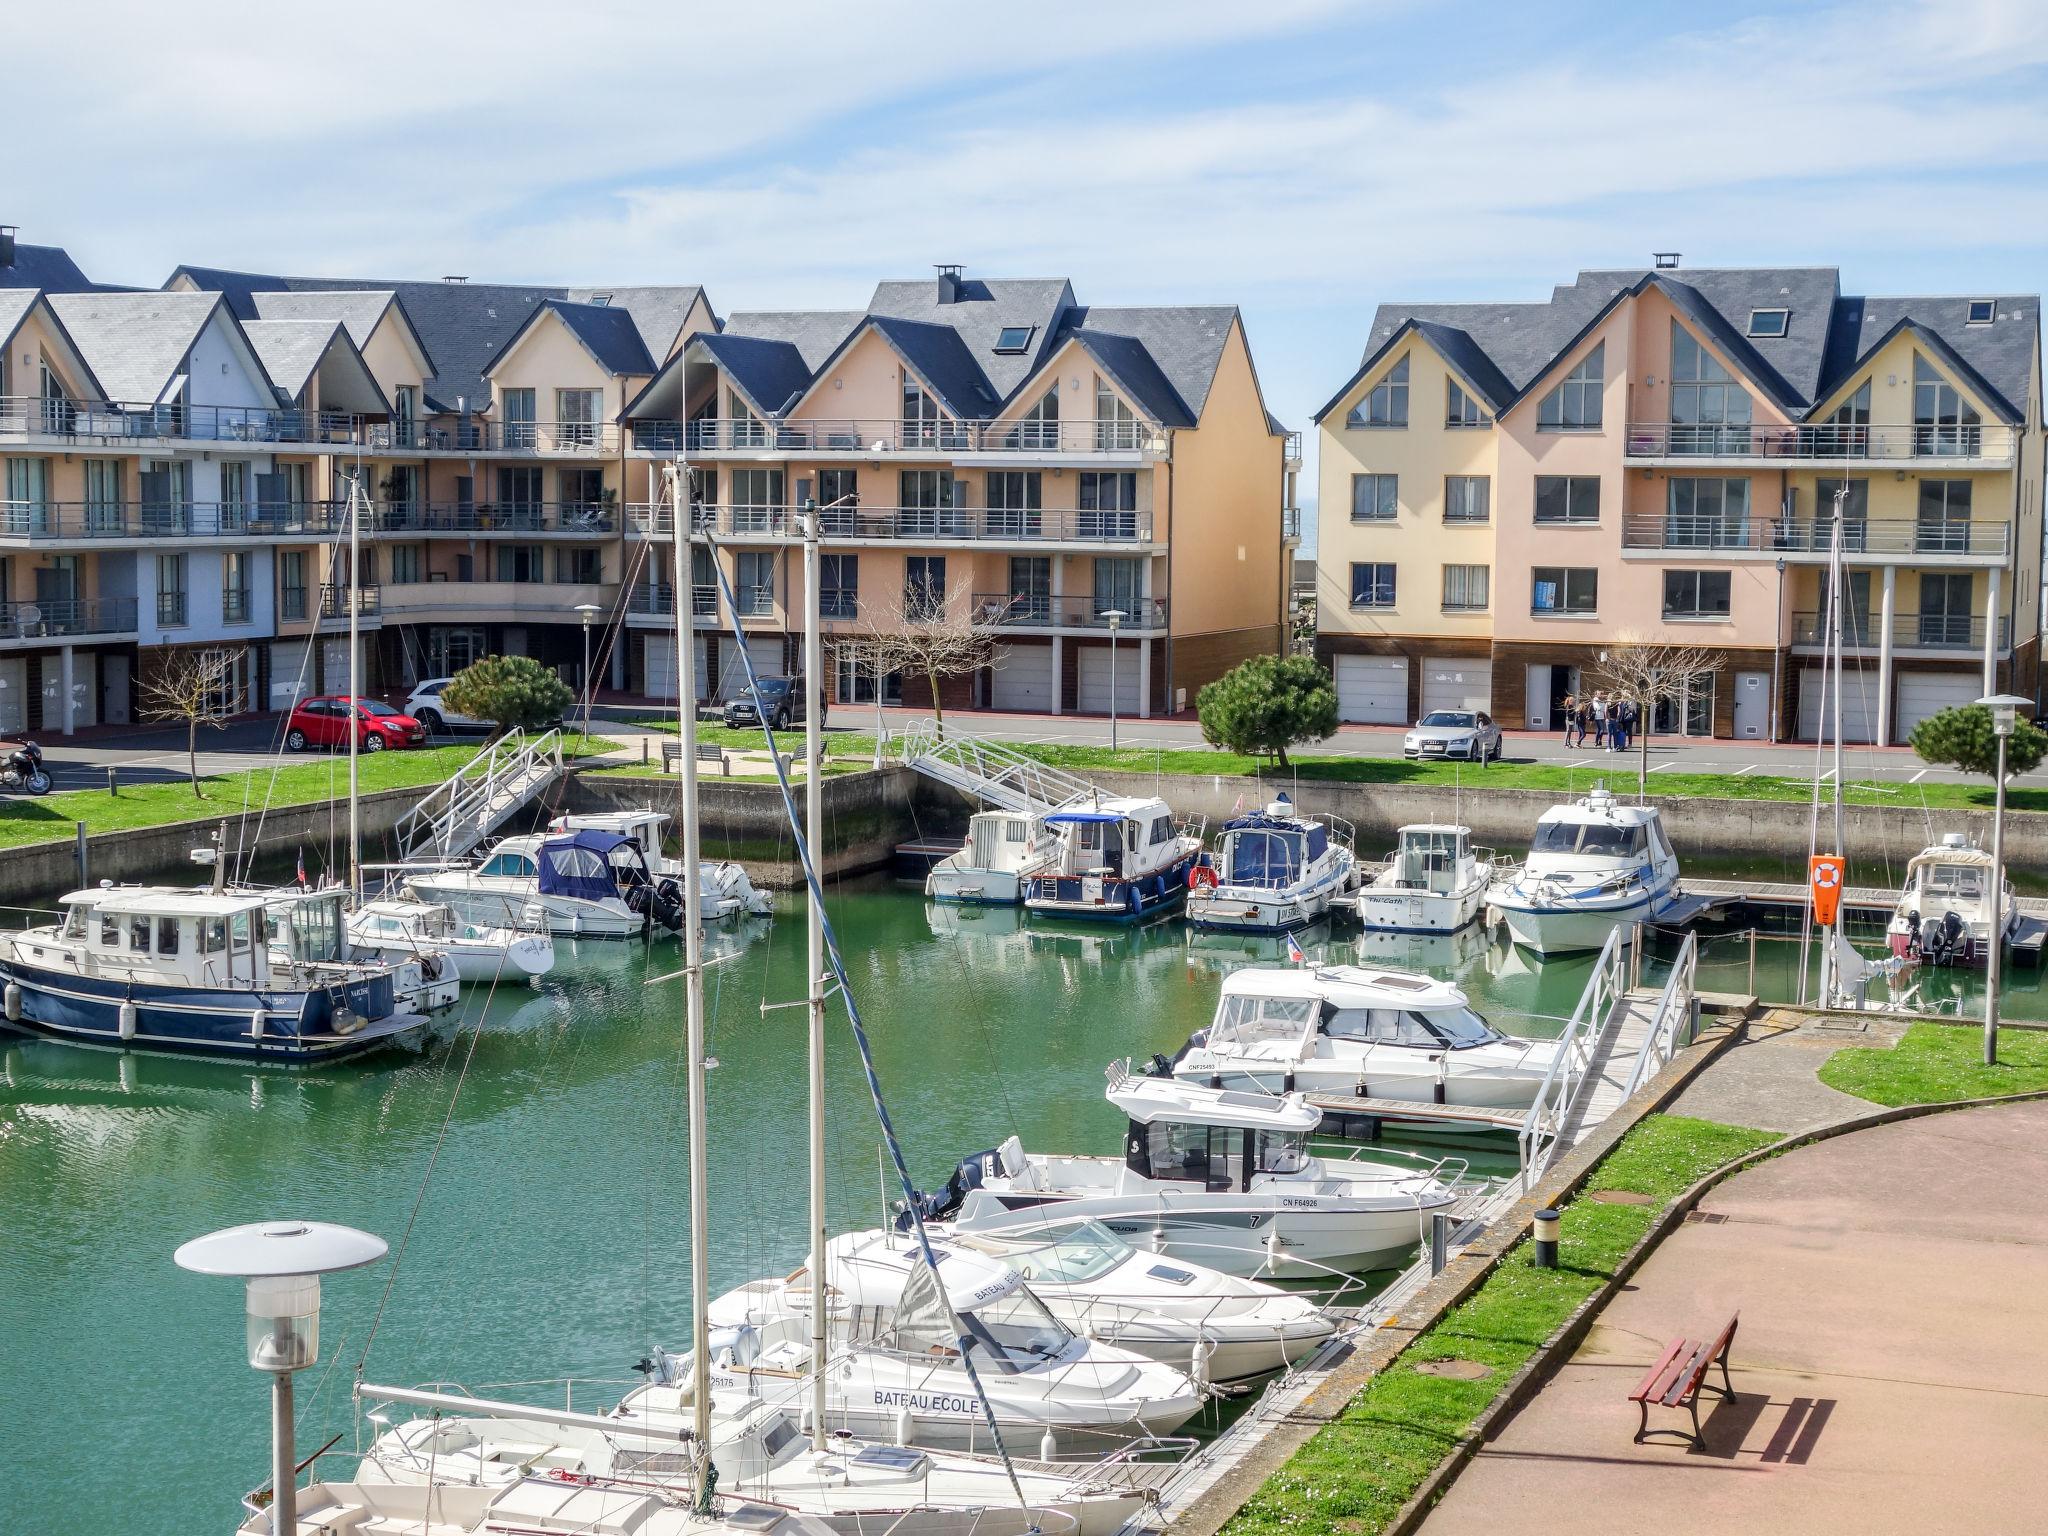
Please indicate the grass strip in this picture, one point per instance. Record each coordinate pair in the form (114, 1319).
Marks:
(1358, 1471)
(1938, 1064)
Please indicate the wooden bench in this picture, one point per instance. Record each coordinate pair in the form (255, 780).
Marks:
(707, 752)
(1675, 1380)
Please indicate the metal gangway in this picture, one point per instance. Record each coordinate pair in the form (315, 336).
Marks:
(1001, 775)
(501, 780)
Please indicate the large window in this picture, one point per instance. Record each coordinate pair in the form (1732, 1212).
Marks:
(1109, 504)
(757, 505)
(1944, 517)
(1468, 498)
(518, 406)
(839, 586)
(577, 566)
(1460, 408)
(1466, 588)
(522, 563)
(924, 588)
(291, 583)
(924, 425)
(1944, 423)
(1030, 590)
(1015, 497)
(1846, 432)
(1574, 405)
(104, 509)
(1116, 424)
(1116, 588)
(408, 563)
(1560, 589)
(1696, 594)
(519, 497)
(1707, 513)
(1038, 427)
(28, 496)
(933, 503)
(1567, 498)
(1855, 498)
(1709, 409)
(170, 590)
(1386, 403)
(235, 586)
(754, 581)
(576, 415)
(1372, 586)
(1945, 599)
(1375, 498)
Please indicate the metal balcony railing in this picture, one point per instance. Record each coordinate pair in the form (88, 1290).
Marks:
(1142, 614)
(63, 617)
(924, 438)
(31, 416)
(334, 601)
(661, 601)
(995, 525)
(466, 517)
(171, 608)
(167, 520)
(1824, 443)
(1292, 450)
(1290, 522)
(1928, 631)
(236, 606)
(1808, 535)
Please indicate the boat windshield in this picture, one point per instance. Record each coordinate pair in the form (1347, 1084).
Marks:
(316, 929)
(1246, 1021)
(1594, 837)
(1016, 1331)
(1282, 1151)
(1961, 881)
(1462, 1028)
(1074, 1257)
(1458, 1028)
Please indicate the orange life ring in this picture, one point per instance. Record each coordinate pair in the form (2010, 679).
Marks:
(1203, 874)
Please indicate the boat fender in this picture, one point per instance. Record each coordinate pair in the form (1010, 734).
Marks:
(128, 1019)
(1287, 1082)
(1198, 1363)
(13, 1000)
(256, 1025)
(344, 1020)
(906, 1426)
(1049, 1447)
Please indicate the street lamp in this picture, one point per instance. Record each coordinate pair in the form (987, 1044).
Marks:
(282, 1261)
(589, 611)
(2005, 711)
(1116, 619)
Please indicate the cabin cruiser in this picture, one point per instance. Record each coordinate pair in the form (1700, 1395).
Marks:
(397, 928)
(309, 926)
(1216, 1176)
(1272, 870)
(896, 1369)
(1593, 865)
(148, 967)
(1003, 850)
(1375, 1034)
(586, 885)
(728, 893)
(1120, 860)
(532, 1502)
(1434, 882)
(1944, 911)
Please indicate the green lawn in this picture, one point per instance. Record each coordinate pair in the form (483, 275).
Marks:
(1355, 1475)
(1939, 1063)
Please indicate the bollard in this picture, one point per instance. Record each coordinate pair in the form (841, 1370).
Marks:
(1439, 1242)
(113, 780)
(1546, 1239)
(643, 751)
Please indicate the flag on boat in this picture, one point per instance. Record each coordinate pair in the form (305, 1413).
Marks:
(1294, 952)
(1237, 805)
(302, 866)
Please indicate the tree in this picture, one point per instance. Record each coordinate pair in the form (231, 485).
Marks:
(197, 687)
(1648, 675)
(1962, 738)
(933, 635)
(509, 691)
(1265, 705)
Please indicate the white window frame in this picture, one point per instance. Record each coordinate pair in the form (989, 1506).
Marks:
(1384, 406)
(1577, 403)
(1783, 329)
(1460, 581)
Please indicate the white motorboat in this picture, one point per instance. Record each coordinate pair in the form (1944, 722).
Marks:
(586, 885)
(309, 926)
(728, 892)
(1434, 882)
(1004, 849)
(398, 928)
(1271, 871)
(1220, 1328)
(1377, 1034)
(1593, 866)
(1944, 911)
(1121, 860)
(896, 1368)
(537, 1504)
(1217, 1176)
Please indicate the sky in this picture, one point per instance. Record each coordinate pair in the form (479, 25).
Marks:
(1305, 160)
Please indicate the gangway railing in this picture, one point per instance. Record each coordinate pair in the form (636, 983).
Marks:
(1542, 1126)
(999, 774)
(1676, 1020)
(481, 796)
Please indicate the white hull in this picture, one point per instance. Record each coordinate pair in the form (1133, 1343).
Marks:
(1412, 1084)
(1390, 910)
(1243, 909)
(982, 887)
(521, 959)
(1580, 926)
(493, 902)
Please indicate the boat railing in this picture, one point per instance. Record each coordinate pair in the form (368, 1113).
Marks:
(1450, 1169)
(1675, 1020)
(1191, 824)
(1537, 1140)
(1341, 830)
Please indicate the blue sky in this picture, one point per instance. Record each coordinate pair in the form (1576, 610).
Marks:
(1304, 159)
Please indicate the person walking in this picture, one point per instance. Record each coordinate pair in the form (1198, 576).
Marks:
(1585, 718)
(1600, 717)
(1622, 724)
(1571, 720)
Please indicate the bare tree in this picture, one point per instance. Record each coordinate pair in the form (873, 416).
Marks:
(197, 687)
(934, 635)
(1647, 675)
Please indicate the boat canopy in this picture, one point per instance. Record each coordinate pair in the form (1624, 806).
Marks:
(1345, 986)
(1148, 1100)
(1080, 817)
(580, 865)
(1273, 850)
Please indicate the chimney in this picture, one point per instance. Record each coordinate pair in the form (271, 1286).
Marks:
(451, 278)
(949, 284)
(1667, 261)
(6, 245)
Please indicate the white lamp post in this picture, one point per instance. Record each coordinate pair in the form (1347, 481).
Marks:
(282, 1261)
(589, 612)
(2005, 709)
(1116, 619)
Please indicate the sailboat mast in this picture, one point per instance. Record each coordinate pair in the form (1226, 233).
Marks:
(814, 964)
(693, 982)
(356, 498)
(1840, 580)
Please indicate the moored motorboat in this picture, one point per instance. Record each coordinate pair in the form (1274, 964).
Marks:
(1593, 865)
(397, 927)
(1003, 850)
(1121, 859)
(1273, 870)
(728, 891)
(1944, 911)
(586, 884)
(1434, 882)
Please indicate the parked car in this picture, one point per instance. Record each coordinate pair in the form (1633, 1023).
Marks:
(1460, 733)
(324, 722)
(781, 701)
(426, 707)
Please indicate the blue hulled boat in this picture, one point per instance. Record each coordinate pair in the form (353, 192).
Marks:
(1120, 860)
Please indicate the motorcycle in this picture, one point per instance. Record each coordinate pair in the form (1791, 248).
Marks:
(24, 770)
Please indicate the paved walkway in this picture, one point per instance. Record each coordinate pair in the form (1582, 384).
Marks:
(1891, 1368)
(1767, 1080)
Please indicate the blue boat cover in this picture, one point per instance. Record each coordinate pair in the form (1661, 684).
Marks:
(1285, 852)
(1085, 816)
(580, 865)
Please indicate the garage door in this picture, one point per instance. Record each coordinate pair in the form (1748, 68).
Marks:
(291, 672)
(764, 651)
(1859, 705)
(1094, 680)
(1928, 693)
(334, 666)
(1023, 678)
(1372, 690)
(1457, 684)
(660, 674)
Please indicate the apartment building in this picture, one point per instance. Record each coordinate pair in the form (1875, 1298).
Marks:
(1654, 456)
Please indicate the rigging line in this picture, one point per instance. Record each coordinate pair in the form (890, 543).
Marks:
(860, 1036)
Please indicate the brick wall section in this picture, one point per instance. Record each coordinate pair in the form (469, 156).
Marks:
(1199, 659)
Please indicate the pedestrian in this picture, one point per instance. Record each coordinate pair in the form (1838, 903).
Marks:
(1600, 717)
(1571, 719)
(1585, 719)
(1623, 724)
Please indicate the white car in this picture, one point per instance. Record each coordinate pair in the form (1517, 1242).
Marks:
(424, 705)
(1455, 733)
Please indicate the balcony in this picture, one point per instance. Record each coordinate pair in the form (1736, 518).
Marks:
(916, 525)
(114, 422)
(29, 624)
(546, 602)
(1807, 539)
(660, 602)
(1911, 631)
(1127, 440)
(1821, 445)
(1291, 451)
(1010, 610)
(588, 519)
(116, 522)
(334, 602)
(1290, 523)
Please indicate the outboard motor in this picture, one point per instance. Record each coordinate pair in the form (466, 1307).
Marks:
(939, 1204)
(1943, 940)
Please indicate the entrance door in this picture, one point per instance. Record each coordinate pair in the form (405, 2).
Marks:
(113, 688)
(1752, 706)
(1549, 687)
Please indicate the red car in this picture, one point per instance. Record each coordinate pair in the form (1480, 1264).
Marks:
(323, 722)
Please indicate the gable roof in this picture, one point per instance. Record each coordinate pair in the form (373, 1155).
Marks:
(979, 312)
(771, 374)
(1185, 342)
(290, 350)
(1461, 354)
(16, 305)
(1996, 360)
(136, 343)
(659, 313)
(48, 267)
(937, 354)
(815, 333)
(360, 310)
(608, 335)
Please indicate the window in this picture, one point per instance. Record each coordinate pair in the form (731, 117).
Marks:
(1707, 513)
(1014, 499)
(1709, 409)
(104, 512)
(754, 581)
(405, 403)
(521, 563)
(933, 502)
(1117, 583)
(1567, 498)
(1574, 405)
(234, 495)
(1386, 403)
(518, 406)
(1943, 525)
(1460, 409)
(291, 583)
(838, 500)
(138, 935)
(167, 935)
(1116, 424)
(1696, 594)
(576, 412)
(28, 496)
(757, 505)
(408, 563)
(1856, 627)
(1945, 601)
(1014, 338)
(1846, 432)
(1375, 498)
(1563, 589)
(1944, 422)
(1109, 505)
(235, 587)
(1039, 427)
(110, 931)
(1030, 590)
(839, 586)
(1467, 498)
(1819, 529)
(579, 567)
(170, 589)
(924, 588)
(1372, 586)
(1465, 588)
(1767, 323)
(1982, 312)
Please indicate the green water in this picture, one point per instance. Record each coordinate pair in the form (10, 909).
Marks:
(550, 1241)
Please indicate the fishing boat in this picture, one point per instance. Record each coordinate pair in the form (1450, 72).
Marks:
(728, 892)
(586, 885)
(397, 927)
(1434, 882)
(1217, 1176)
(1593, 865)
(1121, 860)
(1364, 1033)
(1003, 850)
(1944, 911)
(1272, 870)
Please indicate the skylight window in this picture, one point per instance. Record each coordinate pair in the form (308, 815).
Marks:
(600, 300)
(1769, 322)
(1014, 338)
(1983, 311)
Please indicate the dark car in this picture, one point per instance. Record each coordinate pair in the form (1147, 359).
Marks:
(781, 701)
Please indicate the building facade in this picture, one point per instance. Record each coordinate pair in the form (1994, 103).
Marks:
(1654, 458)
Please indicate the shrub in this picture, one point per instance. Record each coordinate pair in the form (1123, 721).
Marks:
(509, 691)
(1268, 704)
(1962, 738)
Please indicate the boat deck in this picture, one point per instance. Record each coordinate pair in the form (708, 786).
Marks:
(1361, 1119)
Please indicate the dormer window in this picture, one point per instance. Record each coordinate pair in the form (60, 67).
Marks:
(1014, 338)
(1386, 403)
(1768, 323)
(1983, 311)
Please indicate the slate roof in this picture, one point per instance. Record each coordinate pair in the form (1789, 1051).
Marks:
(815, 333)
(359, 311)
(1184, 342)
(15, 303)
(770, 373)
(941, 357)
(135, 343)
(2000, 354)
(658, 312)
(608, 335)
(48, 267)
(980, 310)
(290, 349)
